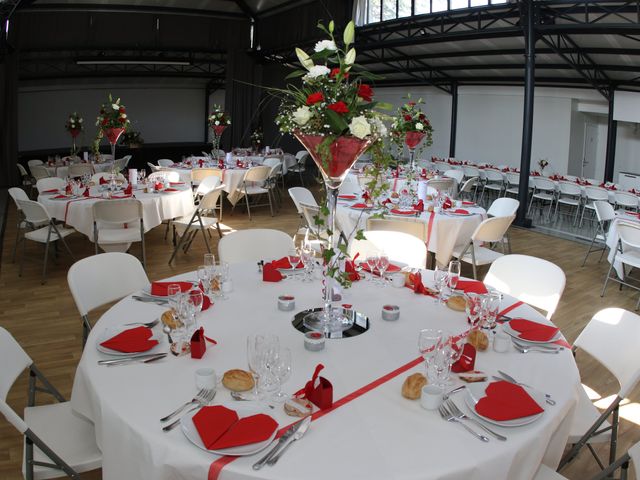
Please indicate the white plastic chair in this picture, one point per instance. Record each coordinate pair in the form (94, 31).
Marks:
(532, 280)
(50, 183)
(592, 194)
(503, 207)
(494, 182)
(165, 162)
(491, 230)
(544, 191)
(626, 200)
(199, 174)
(39, 172)
(253, 184)
(117, 223)
(469, 189)
(253, 245)
(80, 169)
(457, 175)
(301, 166)
(26, 178)
(56, 441)
(569, 194)
(35, 215)
(627, 252)
(275, 173)
(611, 338)
(605, 214)
(402, 248)
(101, 279)
(319, 231)
(470, 171)
(302, 195)
(21, 225)
(512, 183)
(187, 227)
(34, 163)
(446, 185)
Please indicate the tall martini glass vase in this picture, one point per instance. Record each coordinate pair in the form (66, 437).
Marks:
(412, 140)
(218, 130)
(74, 133)
(334, 162)
(113, 134)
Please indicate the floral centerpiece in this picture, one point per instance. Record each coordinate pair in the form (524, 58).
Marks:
(256, 139)
(73, 125)
(218, 121)
(113, 121)
(332, 113)
(543, 163)
(411, 126)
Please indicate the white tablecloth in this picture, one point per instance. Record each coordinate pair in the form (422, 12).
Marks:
(156, 207)
(379, 435)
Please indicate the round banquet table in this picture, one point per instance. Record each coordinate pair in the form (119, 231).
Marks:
(379, 435)
(156, 208)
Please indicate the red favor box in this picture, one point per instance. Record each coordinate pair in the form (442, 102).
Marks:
(319, 390)
(198, 344)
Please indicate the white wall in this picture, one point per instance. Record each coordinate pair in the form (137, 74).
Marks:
(162, 113)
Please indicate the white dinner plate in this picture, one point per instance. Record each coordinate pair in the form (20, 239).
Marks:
(243, 409)
(68, 197)
(454, 214)
(515, 334)
(475, 391)
(111, 332)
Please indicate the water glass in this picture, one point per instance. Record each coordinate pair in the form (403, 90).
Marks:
(383, 264)
(372, 263)
(475, 309)
(440, 279)
(294, 259)
(491, 308)
(454, 274)
(282, 372)
(429, 341)
(204, 277)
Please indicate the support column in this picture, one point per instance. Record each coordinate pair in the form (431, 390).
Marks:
(454, 119)
(612, 134)
(8, 107)
(527, 121)
(207, 108)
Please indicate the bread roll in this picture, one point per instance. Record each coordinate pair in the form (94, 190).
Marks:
(238, 380)
(412, 386)
(170, 320)
(479, 340)
(457, 303)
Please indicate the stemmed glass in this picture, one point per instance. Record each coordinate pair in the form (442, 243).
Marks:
(491, 308)
(204, 277)
(294, 259)
(196, 299)
(383, 264)
(282, 372)
(308, 258)
(451, 351)
(474, 308)
(454, 275)
(372, 263)
(429, 342)
(440, 279)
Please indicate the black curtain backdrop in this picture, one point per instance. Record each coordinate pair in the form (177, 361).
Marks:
(8, 115)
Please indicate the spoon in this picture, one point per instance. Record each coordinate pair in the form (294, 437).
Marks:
(167, 329)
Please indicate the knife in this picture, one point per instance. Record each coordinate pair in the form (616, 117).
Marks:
(509, 378)
(139, 358)
(284, 438)
(525, 344)
(304, 426)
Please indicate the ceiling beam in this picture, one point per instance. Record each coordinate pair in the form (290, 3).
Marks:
(509, 66)
(242, 5)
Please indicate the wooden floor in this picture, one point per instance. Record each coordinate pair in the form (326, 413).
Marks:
(43, 318)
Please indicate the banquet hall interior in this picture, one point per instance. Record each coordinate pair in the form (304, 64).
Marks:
(284, 239)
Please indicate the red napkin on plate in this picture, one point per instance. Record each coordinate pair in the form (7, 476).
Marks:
(103, 181)
(270, 274)
(53, 190)
(347, 197)
(467, 359)
(461, 211)
(171, 190)
(466, 202)
(133, 340)
(419, 206)
(471, 286)
(397, 211)
(507, 401)
(212, 422)
(176, 183)
(447, 203)
(284, 263)
(159, 289)
(247, 430)
(351, 270)
(359, 205)
(120, 197)
(533, 330)
(128, 190)
(60, 196)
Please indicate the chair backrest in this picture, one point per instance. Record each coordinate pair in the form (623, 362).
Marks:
(493, 175)
(207, 184)
(119, 164)
(34, 162)
(629, 234)
(541, 286)
(492, 229)
(503, 207)
(154, 168)
(512, 178)
(457, 175)
(399, 246)
(469, 185)
(50, 183)
(596, 193)
(253, 245)
(18, 194)
(604, 210)
(79, 169)
(39, 171)
(117, 211)
(210, 200)
(543, 183)
(164, 174)
(301, 154)
(611, 337)
(199, 174)
(626, 199)
(33, 212)
(441, 184)
(103, 278)
(165, 162)
(95, 178)
(13, 359)
(22, 170)
(569, 188)
(301, 195)
(272, 161)
(257, 174)
(310, 212)
(471, 171)
(406, 225)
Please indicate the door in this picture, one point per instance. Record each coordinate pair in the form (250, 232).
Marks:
(589, 150)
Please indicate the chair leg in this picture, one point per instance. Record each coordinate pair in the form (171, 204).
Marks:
(589, 251)
(144, 255)
(15, 245)
(473, 261)
(218, 228)
(24, 248)
(46, 258)
(270, 203)
(606, 281)
(248, 207)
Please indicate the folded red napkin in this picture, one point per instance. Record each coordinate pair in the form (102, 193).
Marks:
(447, 203)
(468, 203)
(220, 428)
(397, 211)
(347, 197)
(103, 181)
(159, 289)
(86, 193)
(471, 286)
(171, 190)
(350, 269)
(213, 422)
(419, 206)
(270, 274)
(507, 401)
(53, 190)
(359, 205)
(176, 183)
(461, 211)
(68, 190)
(533, 330)
(133, 340)
(120, 197)
(284, 263)
(128, 190)
(467, 359)
(415, 282)
(60, 196)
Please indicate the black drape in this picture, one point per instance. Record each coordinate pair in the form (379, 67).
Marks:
(8, 115)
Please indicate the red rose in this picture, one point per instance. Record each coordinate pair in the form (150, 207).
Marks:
(411, 104)
(365, 92)
(105, 121)
(121, 110)
(122, 120)
(421, 116)
(336, 71)
(339, 107)
(407, 118)
(315, 98)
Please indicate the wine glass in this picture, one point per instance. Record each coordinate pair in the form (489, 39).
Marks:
(372, 262)
(454, 274)
(383, 264)
(204, 277)
(429, 341)
(294, 259)
(308, 260)
(491, 308)
(209, 261)
(453, 346)
(474, 308)
(282, 372)
(440, 279)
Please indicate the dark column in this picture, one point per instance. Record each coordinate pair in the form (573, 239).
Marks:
(527, 121)
(454, 119)
(612, 131)
(207, 108)
(8, 110)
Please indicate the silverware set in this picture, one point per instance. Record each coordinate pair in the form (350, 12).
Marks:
(449, 417)
(537, 347)
(143, 324)
(202, 398)
(294, 432)
(148, 358)
(149, 299)
(456, 412)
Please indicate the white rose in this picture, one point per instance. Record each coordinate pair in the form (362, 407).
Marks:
(123, 115)
(359, 127)
(217, 122)
(302, 115)
(80, 120)
(115, 106)
(325, 45)
(419, 126)
(317, 71)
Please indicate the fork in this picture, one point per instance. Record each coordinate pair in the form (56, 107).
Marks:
(522, 349)
(456, 412)
(444, 413)
(199, 398)
(148, 324)
(205, 401)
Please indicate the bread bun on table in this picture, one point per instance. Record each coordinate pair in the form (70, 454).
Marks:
(479, 340)
(457, 303)
(238, 380)
(412, 386)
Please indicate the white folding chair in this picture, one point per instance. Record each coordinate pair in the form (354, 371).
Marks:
(274, 175)
(21, 225)
(301, 195)
(491, 230)
(187, 227)
(165, 162)
(34, 163)
(50, 183)
(627, 252)
(35, 215)
(152, 167)
(95, 178)
(446, 185)
(626, 201)
(57, 442)
(117, 224)
(504, 207)
(199, 174)
(611, 338)
(605, 214)
(101, 279)
(26, 179)
(80, 169)
(544, 191)
(457, 175)
(470, 171)
(512, 183)
(301, 166)
(253, 185)
(570, 195)
(253, 245)
(592, 194)
(541, 286)
(494, 182)
(39, 171)
(315, 224)
(406, 225)
(401, 248)
(469, 189)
